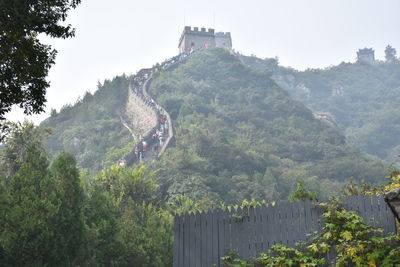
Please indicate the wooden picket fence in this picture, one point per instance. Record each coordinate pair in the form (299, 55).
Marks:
(200, 240)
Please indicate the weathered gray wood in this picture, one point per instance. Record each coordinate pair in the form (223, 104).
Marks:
(175, 245)
(275, 225)
(203, 242)
(349, 203)
(186, 241)
(202, 239)
(192, 240)
(286, 223)
(302, 222)
(314, 218)
(221, 235)
(252, 235)
(266, 227)
(296, 233)
(177, 239)
(307, 217)
(245, 233)
(209, 239)
(181, 244)
(241, 230)
(215, 234)
(388, 220)
(366, 211)
(234, 231)
(358, 201)
(371, 206)
(197, 237)
(291, 228)
(227, 231)
(374, 211)
(258, 230)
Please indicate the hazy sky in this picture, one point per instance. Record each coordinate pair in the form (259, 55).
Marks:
(122, 36)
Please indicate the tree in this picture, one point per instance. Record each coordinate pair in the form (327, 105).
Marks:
(69, 217)
(41, 220)
(28, 229)
(18, 138)
(24, 60)
(390, 53)
(301, 192)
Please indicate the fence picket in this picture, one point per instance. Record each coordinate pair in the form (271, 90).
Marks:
(181, 245)
(389, 223)
(241, 229)
(252, 234)
(259, 231)
(186, 241)
(214, 238)
(209, 238)
(275, 225)
(227, 232)
(221, 235)
(176, 240)
(197, 237)
(203, 243)
(192, 240)
(302, 222)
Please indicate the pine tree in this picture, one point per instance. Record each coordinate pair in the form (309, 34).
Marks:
(70, 224)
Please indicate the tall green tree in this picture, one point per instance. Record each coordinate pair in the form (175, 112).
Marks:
(145, 226)
(102, 238)
(390, 53)
(27, 236)
(70, 225)
(18, 138)
(24, 60)
(41, 207)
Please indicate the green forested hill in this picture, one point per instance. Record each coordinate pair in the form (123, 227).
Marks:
(239, 135)
(91, 129)
(363, 99)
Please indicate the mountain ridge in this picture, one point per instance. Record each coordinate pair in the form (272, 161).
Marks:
(238, 134)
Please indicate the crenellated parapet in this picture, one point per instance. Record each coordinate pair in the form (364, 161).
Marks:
(196, 38)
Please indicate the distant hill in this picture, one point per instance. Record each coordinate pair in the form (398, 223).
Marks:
(362, 98)
(239, 135)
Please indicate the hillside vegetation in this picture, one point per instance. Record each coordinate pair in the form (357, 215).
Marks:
(239, 135)
(91, 129)
(363, 99)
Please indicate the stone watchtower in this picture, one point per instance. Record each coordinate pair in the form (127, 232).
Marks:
(366, 55)
(195, 39)
(223, 39)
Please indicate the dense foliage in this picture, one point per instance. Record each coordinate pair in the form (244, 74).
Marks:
(240, 136)
(24, 60)
(91, 129)
(53, 216)
(361, 97)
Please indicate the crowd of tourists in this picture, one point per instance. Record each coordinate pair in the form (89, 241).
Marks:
(153, 141)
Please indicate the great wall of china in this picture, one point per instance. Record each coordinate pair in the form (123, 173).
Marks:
(142, 116)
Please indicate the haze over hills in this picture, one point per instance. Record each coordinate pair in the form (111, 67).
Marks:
(91, 129)
(362, 98)
(238, 134)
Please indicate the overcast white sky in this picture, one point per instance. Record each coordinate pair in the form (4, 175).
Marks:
(122, 36)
